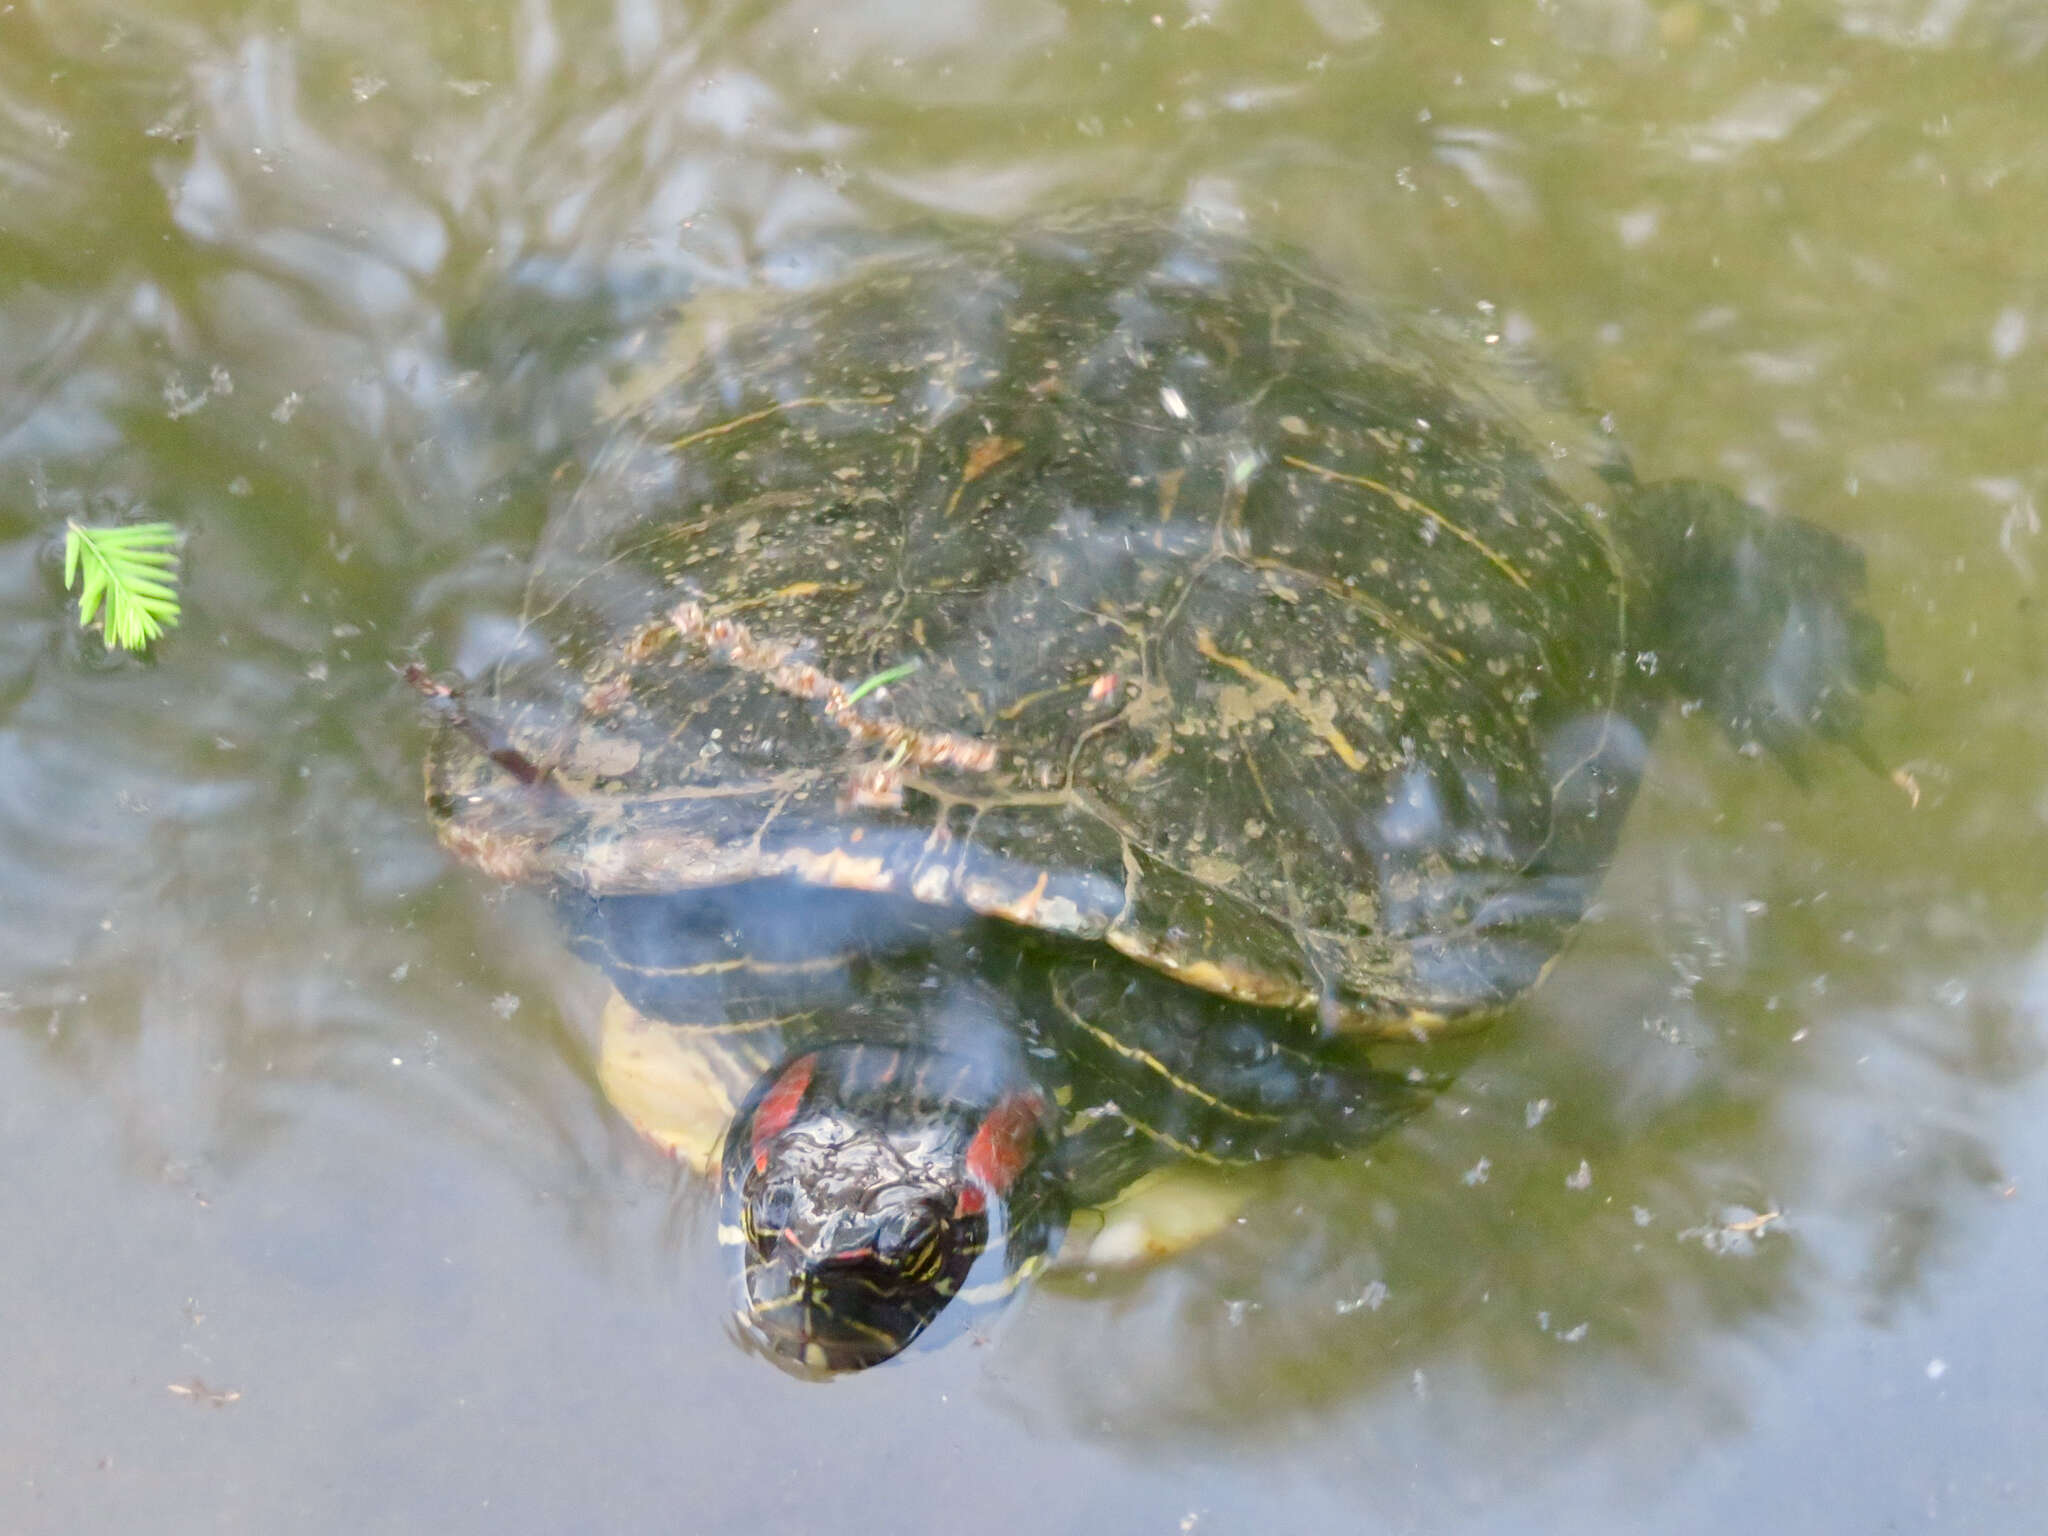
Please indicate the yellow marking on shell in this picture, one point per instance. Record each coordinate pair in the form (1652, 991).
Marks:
(1012, 711)
(1271, 690)
(1145, 1058)
(1407, 1022)
(781, 594)
(1222, 978)
(810, 965)
(719, 429)
(1407, 503)
(1171, 1143)
(1385, 617)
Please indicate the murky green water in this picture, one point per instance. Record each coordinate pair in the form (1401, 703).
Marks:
(314, 1218)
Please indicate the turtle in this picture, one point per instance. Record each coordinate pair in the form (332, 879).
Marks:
(1036, 711)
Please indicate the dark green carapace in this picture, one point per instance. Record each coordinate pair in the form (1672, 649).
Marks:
(1234, 661)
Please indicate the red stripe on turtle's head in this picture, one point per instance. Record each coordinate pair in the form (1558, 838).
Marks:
(1001, 1147)
(779, 1105)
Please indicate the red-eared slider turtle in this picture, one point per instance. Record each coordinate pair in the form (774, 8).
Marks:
(1034, 707)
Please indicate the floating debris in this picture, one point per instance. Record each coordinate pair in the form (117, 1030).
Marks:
(1738, 1231)
(1371, 1299)
(199, 1392)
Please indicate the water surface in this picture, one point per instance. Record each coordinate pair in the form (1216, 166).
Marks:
(317, 1220)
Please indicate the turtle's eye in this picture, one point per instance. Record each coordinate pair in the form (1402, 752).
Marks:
(768, 1211)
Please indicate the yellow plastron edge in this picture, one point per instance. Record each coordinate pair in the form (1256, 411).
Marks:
(675, 1092)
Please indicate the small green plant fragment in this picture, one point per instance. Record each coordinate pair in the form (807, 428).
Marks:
(882, 680)
(130, 580)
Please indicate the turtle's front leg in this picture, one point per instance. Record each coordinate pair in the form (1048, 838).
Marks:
(1155, 1218)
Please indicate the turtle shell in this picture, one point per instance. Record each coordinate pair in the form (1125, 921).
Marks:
(1119, 579)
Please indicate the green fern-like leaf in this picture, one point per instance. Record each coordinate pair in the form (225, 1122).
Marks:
(130, 580)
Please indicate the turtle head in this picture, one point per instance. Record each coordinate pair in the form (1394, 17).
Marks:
(867, 1187)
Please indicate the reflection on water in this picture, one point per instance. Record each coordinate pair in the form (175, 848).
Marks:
(335, 285)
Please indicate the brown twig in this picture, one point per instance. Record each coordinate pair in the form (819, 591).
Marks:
(448, 700)
(777, 661)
